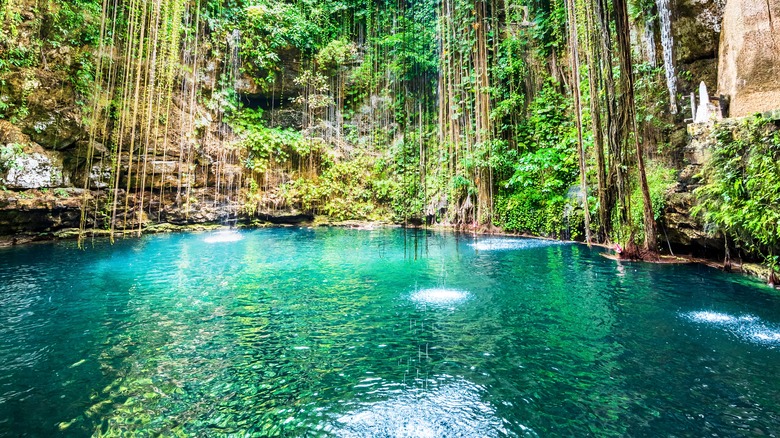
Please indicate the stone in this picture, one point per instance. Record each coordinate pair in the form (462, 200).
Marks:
(54, 130)
(31, 168)
(749, 65)
(698, 150)
(11, 134)
(99, 176)
(696, 27)
(51, 116)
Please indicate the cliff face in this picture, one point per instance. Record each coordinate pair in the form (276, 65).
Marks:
(749, 60)
(733, 46)
(47, 78)
(697, 28)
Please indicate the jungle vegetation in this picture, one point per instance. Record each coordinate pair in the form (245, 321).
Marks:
(535, 116)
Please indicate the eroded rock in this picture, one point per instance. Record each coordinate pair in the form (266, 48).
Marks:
(54, 130)
(26, 165)
(749, 61)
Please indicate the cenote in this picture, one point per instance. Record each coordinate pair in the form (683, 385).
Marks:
(390, 332)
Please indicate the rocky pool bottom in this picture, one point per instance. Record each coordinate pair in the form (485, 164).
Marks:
(389, 332)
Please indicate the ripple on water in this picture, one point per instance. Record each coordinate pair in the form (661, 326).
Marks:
(510, 244)
(440, 296)
(224, 237)
(451, 409)
(747, 327)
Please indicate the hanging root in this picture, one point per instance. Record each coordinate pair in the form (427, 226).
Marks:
(727, 254)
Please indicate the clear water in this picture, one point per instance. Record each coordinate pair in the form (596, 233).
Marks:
(326, 332)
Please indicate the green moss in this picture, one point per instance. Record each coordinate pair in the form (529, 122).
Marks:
(660, 179)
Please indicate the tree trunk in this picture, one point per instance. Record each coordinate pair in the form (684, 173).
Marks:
(622, 30)
(575, 86)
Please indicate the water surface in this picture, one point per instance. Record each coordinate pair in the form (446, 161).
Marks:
(328, 332)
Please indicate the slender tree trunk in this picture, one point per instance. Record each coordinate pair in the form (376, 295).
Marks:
(615, 170)
(594, 75)
(575, 86)
(482, 112)
(624, 47)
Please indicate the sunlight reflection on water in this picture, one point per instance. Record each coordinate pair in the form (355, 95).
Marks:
(452, 409)
(440, 296)
(509, 244)
(224, 237)
(747, 327)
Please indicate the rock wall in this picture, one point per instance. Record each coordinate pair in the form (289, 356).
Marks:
(749, 60)
(696, 29)
(684, 231)
(44, 124)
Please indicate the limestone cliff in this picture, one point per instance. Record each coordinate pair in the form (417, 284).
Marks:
(696, 29)
(749, 56)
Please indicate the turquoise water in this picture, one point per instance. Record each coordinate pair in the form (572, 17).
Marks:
(328, 332)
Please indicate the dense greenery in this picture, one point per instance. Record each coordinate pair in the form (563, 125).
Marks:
(544, 167)
(461, 112)
(428, 112)
(37, 38)
(741, 194)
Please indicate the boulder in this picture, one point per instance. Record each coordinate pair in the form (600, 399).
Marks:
(696, 29)
(99, 175)
(56, 130)
(749, 63)
(25, 164)
(43, 107)
(30, 167)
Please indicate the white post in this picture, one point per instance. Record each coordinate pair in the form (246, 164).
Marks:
(703, 112)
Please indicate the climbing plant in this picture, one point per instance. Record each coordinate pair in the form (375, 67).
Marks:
(741, 191)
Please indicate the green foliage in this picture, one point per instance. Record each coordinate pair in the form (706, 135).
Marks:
(83, 77)
(268, 27)
(267, 146)
(335, 55)
(522, 211)
(271, 29)
(641, 9)
(345, 190)
(405, 192)
(533, 199)
(369, 145)
(652, 101)
(659, 180)
(19, 57)
(741, 191)
(9, 154)
(549, 30)
(74, 23)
